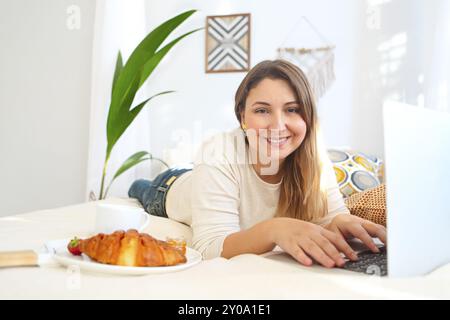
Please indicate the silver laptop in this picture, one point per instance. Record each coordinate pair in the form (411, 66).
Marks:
(417, 157)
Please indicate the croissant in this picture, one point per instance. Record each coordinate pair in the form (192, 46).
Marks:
(132, 248)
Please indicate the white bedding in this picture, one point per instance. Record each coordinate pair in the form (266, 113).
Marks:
(274, 276)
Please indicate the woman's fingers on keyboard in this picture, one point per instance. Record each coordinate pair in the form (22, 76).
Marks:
(314, 251)
(328, 247)
(338, 240)
(359, 232)
(300, 255)
(376, 230)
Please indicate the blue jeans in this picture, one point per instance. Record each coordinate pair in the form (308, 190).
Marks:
(152, 194)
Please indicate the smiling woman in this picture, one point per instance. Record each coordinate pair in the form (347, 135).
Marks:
(277, 116)
(266, 183)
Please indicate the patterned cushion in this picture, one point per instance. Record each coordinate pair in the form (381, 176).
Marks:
(355, 171)
(369, 205)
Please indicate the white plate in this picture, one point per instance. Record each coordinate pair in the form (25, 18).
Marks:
(85, 263)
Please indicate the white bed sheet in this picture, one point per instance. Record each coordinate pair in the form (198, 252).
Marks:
(272, 276)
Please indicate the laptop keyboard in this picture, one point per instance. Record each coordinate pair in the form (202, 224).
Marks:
(370, 263)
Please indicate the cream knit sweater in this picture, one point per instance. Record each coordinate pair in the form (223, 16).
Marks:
(223, 194)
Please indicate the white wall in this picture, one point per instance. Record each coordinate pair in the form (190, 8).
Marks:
(204, 103)
(394, 44)
(44, 103)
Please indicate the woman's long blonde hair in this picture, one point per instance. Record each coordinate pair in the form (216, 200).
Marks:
(300, 194)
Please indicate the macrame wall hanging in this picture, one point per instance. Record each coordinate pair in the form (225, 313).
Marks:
(317, 63)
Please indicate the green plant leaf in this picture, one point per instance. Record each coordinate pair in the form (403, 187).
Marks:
(125, 118)
(119, 67)
(153, 62)
(133, 160)
(114, 124)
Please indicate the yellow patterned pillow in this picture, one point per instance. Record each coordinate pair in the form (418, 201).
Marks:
(355, 171)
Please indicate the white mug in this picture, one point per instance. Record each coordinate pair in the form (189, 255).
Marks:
(112, 217)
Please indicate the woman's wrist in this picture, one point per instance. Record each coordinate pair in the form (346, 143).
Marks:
(273, 228)
(270, 229)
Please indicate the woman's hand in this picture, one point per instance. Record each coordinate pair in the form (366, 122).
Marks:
(350, 226)
(303, 240)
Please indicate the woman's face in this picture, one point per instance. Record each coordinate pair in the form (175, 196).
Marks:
(275, 127)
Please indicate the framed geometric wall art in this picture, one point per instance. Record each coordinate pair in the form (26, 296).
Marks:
(227, 43)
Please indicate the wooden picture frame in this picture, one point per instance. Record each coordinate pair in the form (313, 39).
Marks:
(227, 44)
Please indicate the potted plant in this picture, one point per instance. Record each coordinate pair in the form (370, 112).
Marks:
(127, 80)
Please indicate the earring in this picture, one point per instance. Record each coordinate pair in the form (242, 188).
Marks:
(244, 127)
